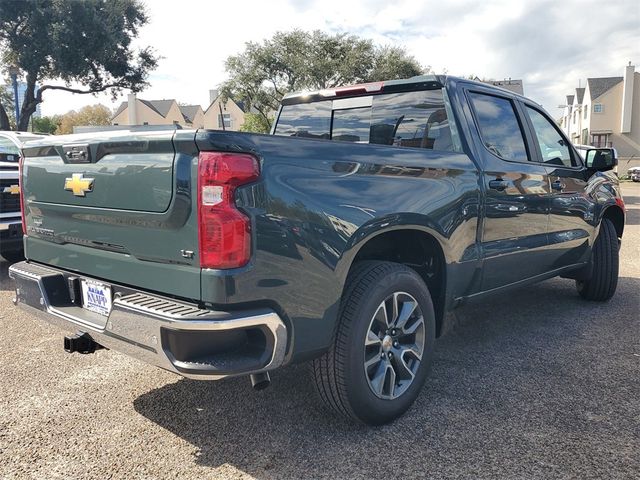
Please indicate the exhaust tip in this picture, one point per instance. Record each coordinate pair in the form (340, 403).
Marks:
(260, 381)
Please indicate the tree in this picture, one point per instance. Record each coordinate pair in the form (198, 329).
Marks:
(76, 41)
(298, 60)
(45, 124)
(254, 122)
(91, 115)
(7, 119)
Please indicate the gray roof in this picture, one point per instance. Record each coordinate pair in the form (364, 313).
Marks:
(598, 86)
(580, 94)
(570, 99)
(120, 109)
(161, 107)
(189, 111)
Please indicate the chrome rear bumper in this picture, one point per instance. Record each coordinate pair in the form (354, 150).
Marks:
(174, 335)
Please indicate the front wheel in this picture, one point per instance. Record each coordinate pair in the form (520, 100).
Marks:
(383, 346)
(605, 258)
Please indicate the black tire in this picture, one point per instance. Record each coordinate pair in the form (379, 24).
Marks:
(605, 259)
(340, 374)
(13, 256)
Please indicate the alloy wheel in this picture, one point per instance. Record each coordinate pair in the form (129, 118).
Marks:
(394, 345)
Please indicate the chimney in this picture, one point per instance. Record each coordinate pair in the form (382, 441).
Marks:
(627, 98)
(213, 94)
(132, 109)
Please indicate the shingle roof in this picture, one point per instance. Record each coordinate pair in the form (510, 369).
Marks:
(120, 109)
(570, 99)
(189, 111)
(160, 106)
(580, 95)
(598, 86)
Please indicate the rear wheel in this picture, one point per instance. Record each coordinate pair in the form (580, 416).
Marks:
(605, 258)
(383, 345)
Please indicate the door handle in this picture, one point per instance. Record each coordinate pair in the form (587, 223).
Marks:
(558, 185)
(498, 184)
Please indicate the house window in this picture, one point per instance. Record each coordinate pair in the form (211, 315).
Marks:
(586, 109)
(600, 140)
(598, 108)
(145, 123)
(585, 136)
(227, 120)
(574, 117)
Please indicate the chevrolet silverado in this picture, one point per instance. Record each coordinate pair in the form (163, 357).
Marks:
(343, 238)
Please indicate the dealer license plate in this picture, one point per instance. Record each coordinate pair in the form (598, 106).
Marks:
(96, 297)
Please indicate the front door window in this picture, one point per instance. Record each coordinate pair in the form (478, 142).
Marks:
(553, 147)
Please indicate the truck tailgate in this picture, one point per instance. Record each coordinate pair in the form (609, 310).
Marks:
(116, 206)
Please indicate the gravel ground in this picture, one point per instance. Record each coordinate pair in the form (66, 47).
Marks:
(537, 384)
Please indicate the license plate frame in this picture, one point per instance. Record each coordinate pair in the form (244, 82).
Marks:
(96, 297)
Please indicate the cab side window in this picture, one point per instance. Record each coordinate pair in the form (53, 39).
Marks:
(499, 126)
(554, 149)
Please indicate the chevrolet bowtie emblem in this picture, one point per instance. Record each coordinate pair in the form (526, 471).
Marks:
(78, 185)
(12, 189)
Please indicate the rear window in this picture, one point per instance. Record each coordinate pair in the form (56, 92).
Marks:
(409, 119)
(311, 120)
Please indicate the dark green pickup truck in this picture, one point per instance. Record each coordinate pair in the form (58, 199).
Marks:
(343, 238)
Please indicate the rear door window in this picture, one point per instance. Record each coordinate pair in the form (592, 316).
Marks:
(499, 127)
(408, 119)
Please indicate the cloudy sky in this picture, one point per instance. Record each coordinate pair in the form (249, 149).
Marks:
(551, 45)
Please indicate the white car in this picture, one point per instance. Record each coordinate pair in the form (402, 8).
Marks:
(10, 217)
(634, 174)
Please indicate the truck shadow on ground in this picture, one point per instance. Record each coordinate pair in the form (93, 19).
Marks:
(633, 211)
(6, 283)
(515, 368)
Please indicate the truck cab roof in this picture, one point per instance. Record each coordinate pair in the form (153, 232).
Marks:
(419, 82)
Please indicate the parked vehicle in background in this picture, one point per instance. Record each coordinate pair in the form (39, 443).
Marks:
(10, 219)
(343, 238)
(634, 174)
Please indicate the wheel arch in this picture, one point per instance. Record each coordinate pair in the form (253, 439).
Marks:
(398, 244)
(616, 215)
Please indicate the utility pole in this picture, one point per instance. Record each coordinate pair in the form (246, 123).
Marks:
(13, 73)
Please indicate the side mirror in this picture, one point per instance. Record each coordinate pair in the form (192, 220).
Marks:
(601, 159)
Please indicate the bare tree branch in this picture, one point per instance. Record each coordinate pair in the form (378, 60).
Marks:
(77, 90)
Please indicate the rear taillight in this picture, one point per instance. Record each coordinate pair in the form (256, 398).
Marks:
(23, 213)
(224, 232)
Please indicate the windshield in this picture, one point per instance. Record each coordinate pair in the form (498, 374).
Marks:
(9, 152)
(28, 138)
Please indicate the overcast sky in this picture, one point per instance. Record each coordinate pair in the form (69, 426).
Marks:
(551, 45)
